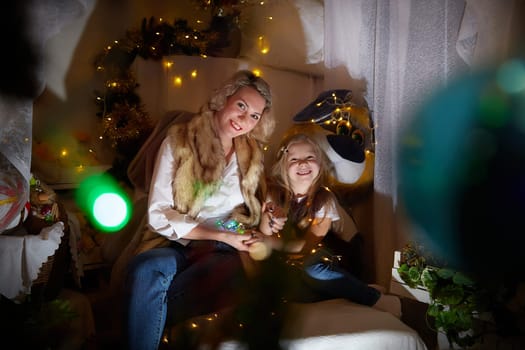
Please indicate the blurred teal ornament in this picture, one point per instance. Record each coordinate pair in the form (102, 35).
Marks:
(462, 170)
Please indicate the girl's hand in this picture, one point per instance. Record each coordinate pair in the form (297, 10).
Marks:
(273, 219)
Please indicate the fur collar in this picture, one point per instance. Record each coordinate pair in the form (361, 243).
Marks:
(199, 160)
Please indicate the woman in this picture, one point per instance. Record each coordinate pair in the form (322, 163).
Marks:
(299, 212)
(208, 172)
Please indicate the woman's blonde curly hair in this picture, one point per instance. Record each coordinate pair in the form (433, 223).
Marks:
(242, 78)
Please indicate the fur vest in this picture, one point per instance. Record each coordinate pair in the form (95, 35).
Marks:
(199, 163)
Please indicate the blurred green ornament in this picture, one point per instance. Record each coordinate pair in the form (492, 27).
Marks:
(104, 202)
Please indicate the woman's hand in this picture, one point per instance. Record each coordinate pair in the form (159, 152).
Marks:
(258, 245)
(242, 242)
(253, 236)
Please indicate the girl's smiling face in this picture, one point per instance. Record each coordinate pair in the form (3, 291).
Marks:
(241, 113)
(303, 166)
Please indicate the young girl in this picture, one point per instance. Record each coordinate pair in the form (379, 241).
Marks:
(298, 213)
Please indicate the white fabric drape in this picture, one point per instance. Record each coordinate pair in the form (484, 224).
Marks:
(44, 19)
(22, 257)
(400, 51)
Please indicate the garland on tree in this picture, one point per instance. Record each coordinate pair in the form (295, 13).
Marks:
(125, 122)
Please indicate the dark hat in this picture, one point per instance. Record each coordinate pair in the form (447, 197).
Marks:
(323, 106)
(346, 147)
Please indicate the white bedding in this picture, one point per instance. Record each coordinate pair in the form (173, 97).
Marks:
(339, 324)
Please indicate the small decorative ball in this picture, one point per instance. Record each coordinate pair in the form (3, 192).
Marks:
(260, 251)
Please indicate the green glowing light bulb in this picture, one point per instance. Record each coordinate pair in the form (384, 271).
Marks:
(104, 202)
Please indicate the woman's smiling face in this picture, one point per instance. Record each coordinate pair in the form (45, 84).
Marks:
(241, 113)
(303, 166)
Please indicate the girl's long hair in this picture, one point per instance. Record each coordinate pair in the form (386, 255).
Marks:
(301, 213)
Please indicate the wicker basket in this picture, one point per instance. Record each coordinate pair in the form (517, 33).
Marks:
(45, 271)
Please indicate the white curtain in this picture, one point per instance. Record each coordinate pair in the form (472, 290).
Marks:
(33, 23)
(397, 52)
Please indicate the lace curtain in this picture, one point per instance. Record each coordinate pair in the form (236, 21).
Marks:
(399, 51)
(29, 25)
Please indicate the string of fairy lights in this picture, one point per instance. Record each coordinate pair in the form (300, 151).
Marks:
(348, 118)
(124, 120)
(123, 117)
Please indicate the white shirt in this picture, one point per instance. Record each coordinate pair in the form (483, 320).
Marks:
(165, 220)
(329, 210)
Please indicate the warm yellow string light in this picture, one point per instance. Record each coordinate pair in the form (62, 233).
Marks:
(342, 111)
(263, 45)
(177, 80)
(80, 168)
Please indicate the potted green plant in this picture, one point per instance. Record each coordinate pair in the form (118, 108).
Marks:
(35, 324)
(456, 301)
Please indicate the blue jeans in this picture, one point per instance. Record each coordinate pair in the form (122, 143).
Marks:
(149, 277)
(328, 280)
